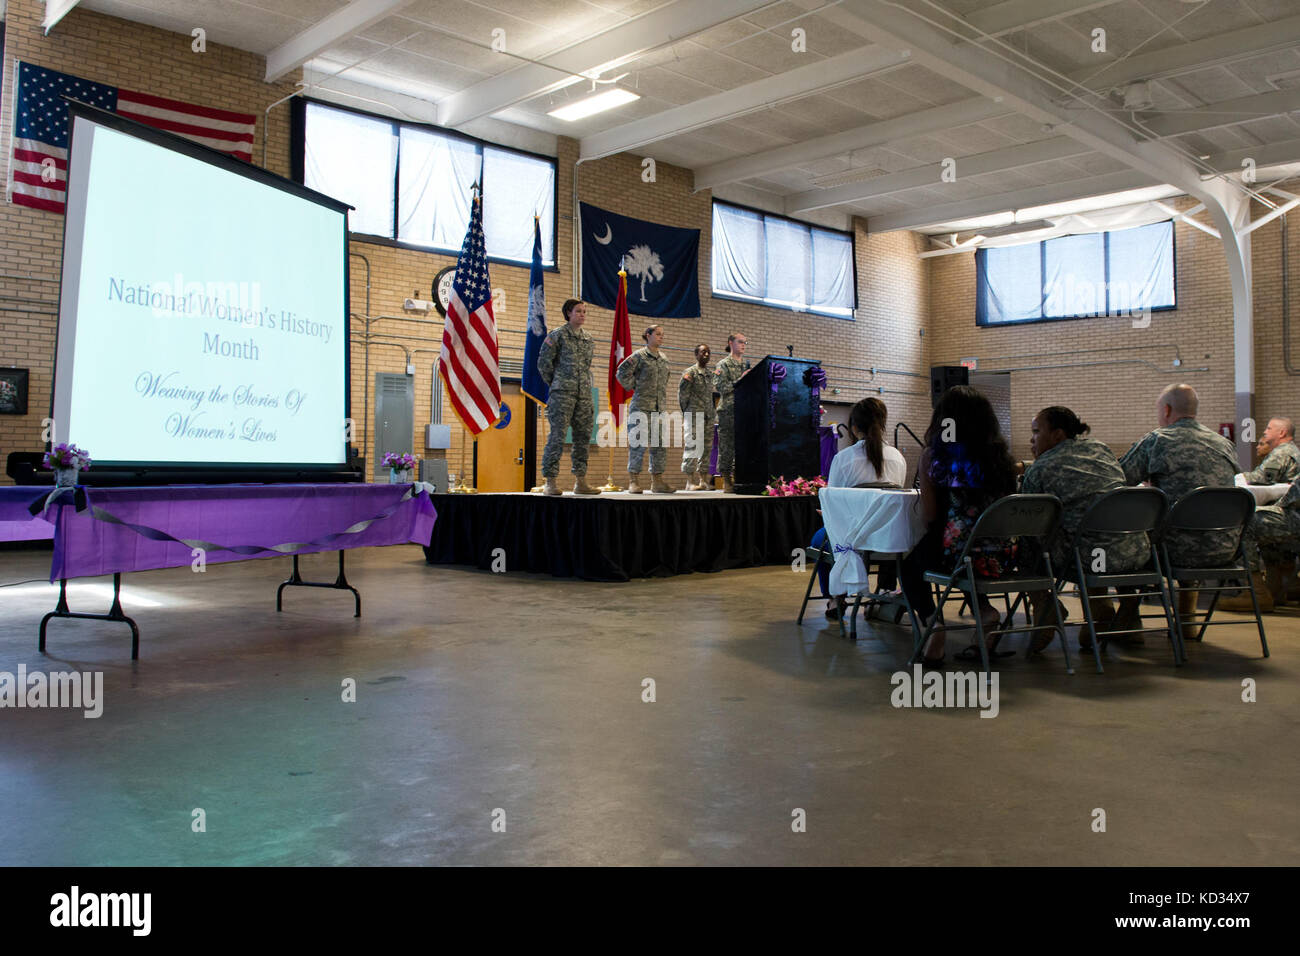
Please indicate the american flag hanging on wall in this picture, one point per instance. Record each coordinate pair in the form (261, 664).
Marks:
(468, 363)
(41, 128)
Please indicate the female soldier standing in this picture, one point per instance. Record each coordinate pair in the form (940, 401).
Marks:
(645, 372)
(729, 371)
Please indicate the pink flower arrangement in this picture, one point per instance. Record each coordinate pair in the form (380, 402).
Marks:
(780, 488)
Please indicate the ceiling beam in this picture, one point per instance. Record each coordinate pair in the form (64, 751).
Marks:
(55, 10)
(1243, 109)
(932, 215)
(933, 120)
(323, 34)
(761, 94)
(997, 160)
(1197, 55)
(1014, 14)
(668, 23)
(1274, 154)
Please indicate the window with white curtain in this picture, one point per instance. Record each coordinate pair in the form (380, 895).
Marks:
(412, 183)
(1081, 276)
(760, 257)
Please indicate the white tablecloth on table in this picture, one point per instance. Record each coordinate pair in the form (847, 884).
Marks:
(881, 520)
(1264, 494)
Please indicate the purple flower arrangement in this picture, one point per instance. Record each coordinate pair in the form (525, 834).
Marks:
(403, 462)
(65, 455)
(780, 488)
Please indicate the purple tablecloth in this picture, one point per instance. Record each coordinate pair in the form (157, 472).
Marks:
(16, 522)
(293, 519)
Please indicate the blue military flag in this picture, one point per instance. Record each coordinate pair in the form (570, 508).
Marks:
(531, 381)
(662, 263)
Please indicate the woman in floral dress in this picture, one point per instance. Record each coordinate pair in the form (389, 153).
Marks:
(965, 467)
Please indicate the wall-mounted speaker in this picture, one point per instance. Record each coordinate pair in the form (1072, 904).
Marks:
(944, 377)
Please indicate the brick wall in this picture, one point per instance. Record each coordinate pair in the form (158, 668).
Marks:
(892, 282)
(1111, 373)
(106, 50)
(911, 312)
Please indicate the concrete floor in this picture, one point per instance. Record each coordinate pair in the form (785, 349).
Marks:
(478, 691)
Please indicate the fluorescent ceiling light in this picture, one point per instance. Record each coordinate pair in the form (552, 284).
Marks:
(594, 104)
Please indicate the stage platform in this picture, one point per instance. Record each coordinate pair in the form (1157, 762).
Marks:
(617, 536)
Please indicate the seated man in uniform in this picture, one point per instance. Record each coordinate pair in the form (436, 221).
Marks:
(1280, 464)
(1281, 461)
(1177, 457)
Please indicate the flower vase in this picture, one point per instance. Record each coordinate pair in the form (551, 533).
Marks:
(398, 476)
(66, 477)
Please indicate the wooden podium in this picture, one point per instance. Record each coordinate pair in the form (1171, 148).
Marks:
(776, 424)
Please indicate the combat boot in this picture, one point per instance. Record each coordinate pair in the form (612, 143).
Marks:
(634, 486)
(1186, 609)
(1241, 601)
(1276, 575)
(728, 486)
(551, 488)
(658, 486)
(580, 486)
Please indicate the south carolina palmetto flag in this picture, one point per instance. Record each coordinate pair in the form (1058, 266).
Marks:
(471, 375)
(620, 347)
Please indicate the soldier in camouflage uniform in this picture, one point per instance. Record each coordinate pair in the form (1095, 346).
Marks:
(725, 376)
(1274, 542)
(645, 372)
(695, 397)
(1281, 457)
(1276, 527)
(1078, 471)
(565, 365)
(1178, 457)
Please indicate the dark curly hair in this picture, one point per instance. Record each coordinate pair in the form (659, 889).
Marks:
(1058, 416)
(977, 456)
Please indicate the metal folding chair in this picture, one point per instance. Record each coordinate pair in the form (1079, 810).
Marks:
(1209, 510)
(818, 556)
(1123, 512)
(1032, 517)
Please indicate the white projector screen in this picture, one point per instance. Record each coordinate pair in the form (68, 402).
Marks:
(203, 308)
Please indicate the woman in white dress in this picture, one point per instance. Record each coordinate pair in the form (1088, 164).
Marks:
(868, 461)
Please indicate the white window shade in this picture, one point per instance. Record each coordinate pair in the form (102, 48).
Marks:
(436, 175)
(352, 157)
(781, 262)
(515, 188)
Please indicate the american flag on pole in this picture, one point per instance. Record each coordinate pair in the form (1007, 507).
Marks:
(468, 364)
(41, 128)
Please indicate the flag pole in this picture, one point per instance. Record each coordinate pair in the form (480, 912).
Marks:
(462, 486)
(609, 478)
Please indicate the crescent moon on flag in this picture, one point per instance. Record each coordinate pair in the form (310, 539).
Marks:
(609, 236)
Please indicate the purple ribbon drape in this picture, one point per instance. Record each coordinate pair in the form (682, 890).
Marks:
(776, 373)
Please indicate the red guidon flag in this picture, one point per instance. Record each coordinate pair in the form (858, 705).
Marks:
(620, 347)
(468, 364)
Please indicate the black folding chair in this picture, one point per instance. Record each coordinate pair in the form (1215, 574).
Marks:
(1121, 513)
(818, 556)
(1207, 510)
(1028, 518)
